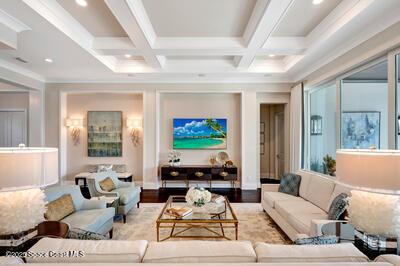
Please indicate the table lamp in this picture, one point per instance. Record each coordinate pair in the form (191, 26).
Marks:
(23, 171)
(374, 176)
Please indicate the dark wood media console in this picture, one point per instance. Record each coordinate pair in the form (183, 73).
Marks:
(189, 173)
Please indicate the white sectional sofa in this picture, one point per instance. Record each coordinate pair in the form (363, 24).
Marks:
(124, 252)
(305, 214)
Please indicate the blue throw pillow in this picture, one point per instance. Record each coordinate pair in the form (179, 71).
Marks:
(290, 184)
(317, 240)
(338, 207)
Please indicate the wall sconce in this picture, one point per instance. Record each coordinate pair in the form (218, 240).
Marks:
(76, 124)
(134, 124)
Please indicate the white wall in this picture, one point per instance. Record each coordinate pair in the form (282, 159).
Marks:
(199, 105)
(78, 105)
(248, 108)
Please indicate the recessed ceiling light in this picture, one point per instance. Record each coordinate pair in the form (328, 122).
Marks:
(271, 55)
(81, 2)
(128, 55)
(317, 2)
(49, 60)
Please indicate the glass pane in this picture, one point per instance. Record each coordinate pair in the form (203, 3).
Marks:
(364, 109)
(322, 128)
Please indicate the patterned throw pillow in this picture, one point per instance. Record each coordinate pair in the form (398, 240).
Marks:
(338, 206)
(104, 167)
(317, 240)
(76, 233)
(59, 208)
(290, 184)
(107, 184)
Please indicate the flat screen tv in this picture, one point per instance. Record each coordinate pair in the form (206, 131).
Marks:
(200, 133)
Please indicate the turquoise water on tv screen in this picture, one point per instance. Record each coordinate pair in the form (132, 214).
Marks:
(196, 143)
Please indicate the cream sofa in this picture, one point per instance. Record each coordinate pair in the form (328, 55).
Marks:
(125, 252)
(303, 215)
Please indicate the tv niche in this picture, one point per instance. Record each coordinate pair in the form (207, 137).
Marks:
(200, 133)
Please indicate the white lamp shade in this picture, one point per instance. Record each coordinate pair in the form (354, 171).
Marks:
(74, 122)
(23, 168)
(373, 170)
(134, 123)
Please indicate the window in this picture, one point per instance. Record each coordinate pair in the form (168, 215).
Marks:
(364, 108)
(320, 104)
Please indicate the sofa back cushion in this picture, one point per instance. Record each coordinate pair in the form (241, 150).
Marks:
(89, 251)
(200, 252)
(59, 208)
(305, 181)
(319, 191)
(345, 252)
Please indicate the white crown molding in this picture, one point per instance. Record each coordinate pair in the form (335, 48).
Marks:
(12, 23)
(19, 75)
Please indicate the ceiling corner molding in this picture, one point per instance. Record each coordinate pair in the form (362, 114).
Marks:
(19, 75)
(12, 23)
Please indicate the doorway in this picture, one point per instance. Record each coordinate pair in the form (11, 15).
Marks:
(272, 142)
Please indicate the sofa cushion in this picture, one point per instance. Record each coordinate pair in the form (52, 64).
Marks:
(290, 184)
(272, 197)
(90, 220)
(302, 221)
(345, 252)
(319, 191)
(286, 208)
(59, 208)
(8, 260)
(104, 251)
(107, 184)
(200, 252)
(305, 181)
(127, 194)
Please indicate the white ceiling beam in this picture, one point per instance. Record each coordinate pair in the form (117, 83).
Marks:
(8, 38)
(266, 16)
(133, 19)
(63, 21)
(342, 30)
(12, 23)
(284, 46)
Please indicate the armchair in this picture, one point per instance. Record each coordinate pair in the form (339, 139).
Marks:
(128, 193)
(89, 215)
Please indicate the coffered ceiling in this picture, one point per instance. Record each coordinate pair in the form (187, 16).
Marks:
(184, 40)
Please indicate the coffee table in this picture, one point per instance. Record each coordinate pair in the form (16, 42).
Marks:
(212, 217)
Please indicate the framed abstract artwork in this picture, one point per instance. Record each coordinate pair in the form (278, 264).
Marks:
(360, 130)
(104, 133)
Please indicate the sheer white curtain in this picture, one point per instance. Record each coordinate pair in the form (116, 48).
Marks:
(296, 120)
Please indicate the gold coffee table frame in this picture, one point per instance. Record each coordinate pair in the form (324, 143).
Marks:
(216, 221)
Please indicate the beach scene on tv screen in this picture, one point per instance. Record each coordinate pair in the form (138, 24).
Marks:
(200, 133)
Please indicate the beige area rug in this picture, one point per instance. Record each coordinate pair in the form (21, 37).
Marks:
(254, 225)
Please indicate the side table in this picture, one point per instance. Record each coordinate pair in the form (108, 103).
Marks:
(54, 229)
(347, 233)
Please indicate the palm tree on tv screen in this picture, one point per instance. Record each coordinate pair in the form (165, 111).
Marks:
(217, 127)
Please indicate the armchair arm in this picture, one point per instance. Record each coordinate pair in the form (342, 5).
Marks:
(126, 184)
(316, 226)
(392, 259)
(93, 204)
